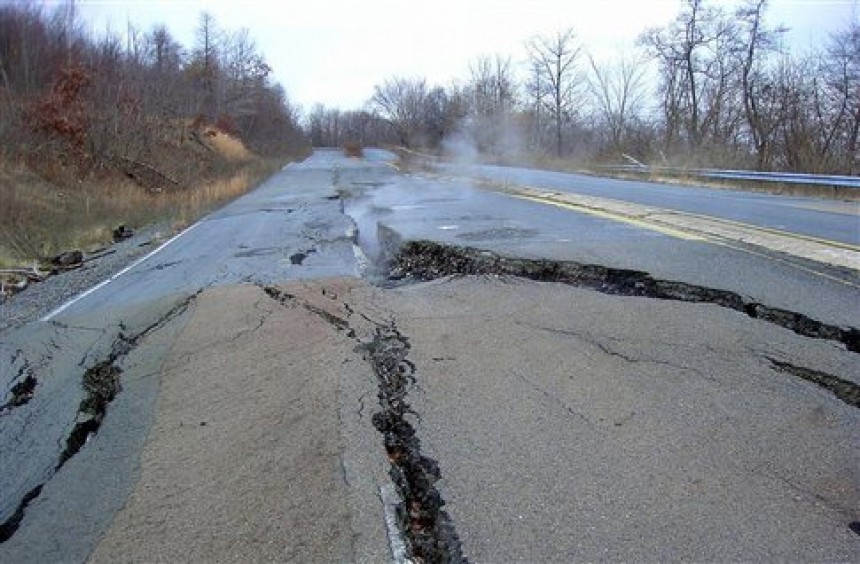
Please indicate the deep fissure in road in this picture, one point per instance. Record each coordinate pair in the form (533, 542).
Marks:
(849, 392)
(21, 393)
(25, 384)
(101, 384)
(427, 260)
(425, 526)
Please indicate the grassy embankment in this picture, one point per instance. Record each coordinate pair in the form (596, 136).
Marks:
(50, 208)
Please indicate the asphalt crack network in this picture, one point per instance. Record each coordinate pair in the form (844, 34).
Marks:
(101, 384)
(427, 260)
(25, 384)
(426, 528)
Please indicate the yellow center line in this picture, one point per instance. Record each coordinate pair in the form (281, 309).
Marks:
(770, 230)
(614, 216)
(654, 225)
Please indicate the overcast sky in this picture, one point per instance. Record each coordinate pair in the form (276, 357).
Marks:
(335, 51)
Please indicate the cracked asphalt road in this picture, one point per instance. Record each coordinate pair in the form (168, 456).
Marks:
(548, 422)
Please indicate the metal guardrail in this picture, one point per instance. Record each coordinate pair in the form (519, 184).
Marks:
(744, 175)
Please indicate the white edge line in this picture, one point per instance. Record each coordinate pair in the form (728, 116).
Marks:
(397, 545)
(361, 260)
(113, 277)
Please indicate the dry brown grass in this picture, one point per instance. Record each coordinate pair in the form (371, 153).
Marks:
(228, 146)
(39, 219)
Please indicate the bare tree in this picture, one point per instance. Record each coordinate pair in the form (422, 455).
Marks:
(492, 87)
(491, 95)
(401, 101)
(163, 53)
(206, 64)
(697, 72)
(755, 42)
(536, 92)
(841, 71)
(244, 79)
(556, 58)
(619, 94)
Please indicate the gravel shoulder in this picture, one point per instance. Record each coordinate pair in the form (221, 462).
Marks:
(41, 298)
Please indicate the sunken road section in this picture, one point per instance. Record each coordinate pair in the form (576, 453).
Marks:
(426, 260)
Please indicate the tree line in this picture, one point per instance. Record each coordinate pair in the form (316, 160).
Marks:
(729, 92)
(90, 102)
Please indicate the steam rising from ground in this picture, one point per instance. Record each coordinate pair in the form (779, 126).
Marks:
(488, 139)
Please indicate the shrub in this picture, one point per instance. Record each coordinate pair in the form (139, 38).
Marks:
(353, 149)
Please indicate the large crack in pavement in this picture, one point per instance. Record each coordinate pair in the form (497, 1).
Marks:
(849, 392)
(25, 383)
(101, 384)
(426, 528)
(428, 260)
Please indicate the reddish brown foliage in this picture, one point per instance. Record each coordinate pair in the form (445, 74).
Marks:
(62, 112)
(226, 124)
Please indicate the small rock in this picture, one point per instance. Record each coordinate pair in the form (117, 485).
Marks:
(68, 258)
(121, 233)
